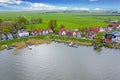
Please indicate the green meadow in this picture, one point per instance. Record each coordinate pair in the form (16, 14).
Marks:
(69, 20)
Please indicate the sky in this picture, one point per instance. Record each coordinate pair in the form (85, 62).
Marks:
(28, 5)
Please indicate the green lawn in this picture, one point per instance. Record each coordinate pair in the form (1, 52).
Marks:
(69, 20)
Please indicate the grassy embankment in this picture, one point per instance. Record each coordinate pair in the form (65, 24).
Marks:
(36, 40)
(21, 43)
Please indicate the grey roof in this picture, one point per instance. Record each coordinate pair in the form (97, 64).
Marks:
(116, 33)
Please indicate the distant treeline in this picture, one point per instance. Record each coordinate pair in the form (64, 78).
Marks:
(100, 15)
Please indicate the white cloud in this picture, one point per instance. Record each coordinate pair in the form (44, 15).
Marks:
(86, 9)
(10, 1)
(98, 9)
(41, 6)
(29, 6)
(25, 5)
(93, 0)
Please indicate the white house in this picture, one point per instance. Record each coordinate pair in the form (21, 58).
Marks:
(63, 33)
(23, 33)
(102, 29)
(10, 37)
(46, 31)
(50, 31)
(74, 34)
(79, 34)
(116, 37)
(118, 27)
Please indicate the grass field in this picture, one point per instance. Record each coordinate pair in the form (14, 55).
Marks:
(69, 20)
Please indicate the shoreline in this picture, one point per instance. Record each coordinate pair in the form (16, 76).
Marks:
(37, 40)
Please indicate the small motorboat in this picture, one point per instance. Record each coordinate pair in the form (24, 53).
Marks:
(30, 47)
(8, 47)
(73, 45)
(95, 46)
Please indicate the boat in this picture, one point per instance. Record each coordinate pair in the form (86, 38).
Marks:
(8, 47)
(73, 45)
(95, 46)
(29, 47)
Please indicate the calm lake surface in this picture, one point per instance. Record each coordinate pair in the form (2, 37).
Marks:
(57, 61)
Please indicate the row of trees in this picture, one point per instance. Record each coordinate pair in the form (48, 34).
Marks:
(36, 20)
(21, 22)
(17, 23)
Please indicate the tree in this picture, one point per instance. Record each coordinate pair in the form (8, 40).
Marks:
(20, 22)
(31, 27)
(1, 20)
(62, 26)
(7, 24)
(6, 29)
(36, 20)
(53, 24)
(40, 20)
(99, 37)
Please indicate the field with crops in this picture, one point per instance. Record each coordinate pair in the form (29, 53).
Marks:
(69, 20)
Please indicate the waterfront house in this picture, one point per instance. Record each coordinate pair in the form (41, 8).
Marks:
(44, 32)
(4, 37)
(79, 34)
(95, 30)
(102, 29)
(68, 33)
(23, 33)
(109, 28)
(114, 21)
(118, 27)
(89, 35)
(115, 26)
(87, 30)
(39, 32)
(116, 37)
(1, 32)
(110, 37)
(71, 32)
(35, 33)
(62, 32)
(74, 34)
(108, 40)
(10, 36)
(0, 35)
(50, 30)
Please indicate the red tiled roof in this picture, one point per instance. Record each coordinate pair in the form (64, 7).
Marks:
(114, 25)
(95, 30)
(39, 31)
(89, 34)
(87, 30)
(71, 32)
(62, 29)
(107, 40)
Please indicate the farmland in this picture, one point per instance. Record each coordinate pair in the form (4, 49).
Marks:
(69, 20)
